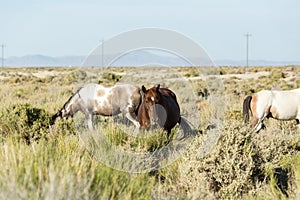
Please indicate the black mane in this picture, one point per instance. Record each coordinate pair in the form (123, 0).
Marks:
(77, 92)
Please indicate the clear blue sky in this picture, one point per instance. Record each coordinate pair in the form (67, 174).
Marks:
(75, 27)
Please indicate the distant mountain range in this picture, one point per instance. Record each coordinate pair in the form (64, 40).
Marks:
(140, 58)
(255, 63)
(43, 61)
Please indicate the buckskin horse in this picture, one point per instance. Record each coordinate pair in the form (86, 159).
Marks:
(94, 99)
(160, 106)
(277, 104)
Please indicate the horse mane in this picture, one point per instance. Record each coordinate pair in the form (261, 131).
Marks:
(77, 92)
(168, 92)
(140, 103)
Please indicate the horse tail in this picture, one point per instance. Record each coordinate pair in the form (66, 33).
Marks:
(246, 108)
(186, 127)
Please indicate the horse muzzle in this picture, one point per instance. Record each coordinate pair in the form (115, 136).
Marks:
(154, 122)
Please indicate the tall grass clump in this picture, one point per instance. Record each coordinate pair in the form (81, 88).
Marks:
(239, 164)
(61, 168)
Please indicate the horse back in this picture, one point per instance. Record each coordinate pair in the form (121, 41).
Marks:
(169, 94)
(169, 102)
(127, 95)
(287, 103)
(283, 104)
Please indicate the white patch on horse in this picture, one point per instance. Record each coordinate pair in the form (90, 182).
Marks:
(152, 98)
(101, 99)
(278, 104)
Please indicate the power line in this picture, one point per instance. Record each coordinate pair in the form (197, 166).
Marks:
(247, 35)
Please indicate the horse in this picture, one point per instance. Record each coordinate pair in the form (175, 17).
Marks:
(159, 106)
(95, 99)
(277, 104)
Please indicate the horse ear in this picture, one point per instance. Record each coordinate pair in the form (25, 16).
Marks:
(157, 87)
(144, 89)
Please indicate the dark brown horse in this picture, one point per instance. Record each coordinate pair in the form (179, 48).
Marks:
(159, 106)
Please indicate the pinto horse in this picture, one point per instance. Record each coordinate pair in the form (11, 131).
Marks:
(94, 99)
(160, 106)
(277, 104)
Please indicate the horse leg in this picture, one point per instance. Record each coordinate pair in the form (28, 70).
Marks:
(259, 112)
(89, 119)
(168, 133)
(129, 113)
(257, 123)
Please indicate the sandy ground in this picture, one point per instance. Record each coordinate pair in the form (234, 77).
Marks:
(38, 74)
(247, 75)
(44, 74)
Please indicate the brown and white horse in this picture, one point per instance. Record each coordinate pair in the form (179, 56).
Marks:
(277, 104)
(94, 99)
(159, 106)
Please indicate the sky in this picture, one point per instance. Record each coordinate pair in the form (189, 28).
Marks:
(75, 27)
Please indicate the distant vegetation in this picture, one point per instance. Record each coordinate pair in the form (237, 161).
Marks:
(43, 161)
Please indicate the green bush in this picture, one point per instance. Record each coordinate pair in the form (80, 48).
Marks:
(111, 76)
(25, 121)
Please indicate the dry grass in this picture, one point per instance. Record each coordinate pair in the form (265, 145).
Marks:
(38, 161)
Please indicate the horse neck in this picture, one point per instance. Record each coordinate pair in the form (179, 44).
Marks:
(167, 93)
(73, 102)
(163, 100)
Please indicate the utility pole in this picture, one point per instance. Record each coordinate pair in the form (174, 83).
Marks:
(2, 54)
(247, 35)
(102, 52)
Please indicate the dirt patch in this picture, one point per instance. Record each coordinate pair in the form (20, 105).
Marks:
(247, 75)
(44, 74)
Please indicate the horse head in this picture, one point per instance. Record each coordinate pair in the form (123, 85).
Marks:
(66, 111)
(54, 117)
(151, 97)
(63, 113)
(68, 108)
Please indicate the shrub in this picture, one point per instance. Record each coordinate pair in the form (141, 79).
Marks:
(27, 122)
(112, 77)
(240, 163)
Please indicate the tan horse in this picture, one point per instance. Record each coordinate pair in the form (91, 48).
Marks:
(277, 104)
